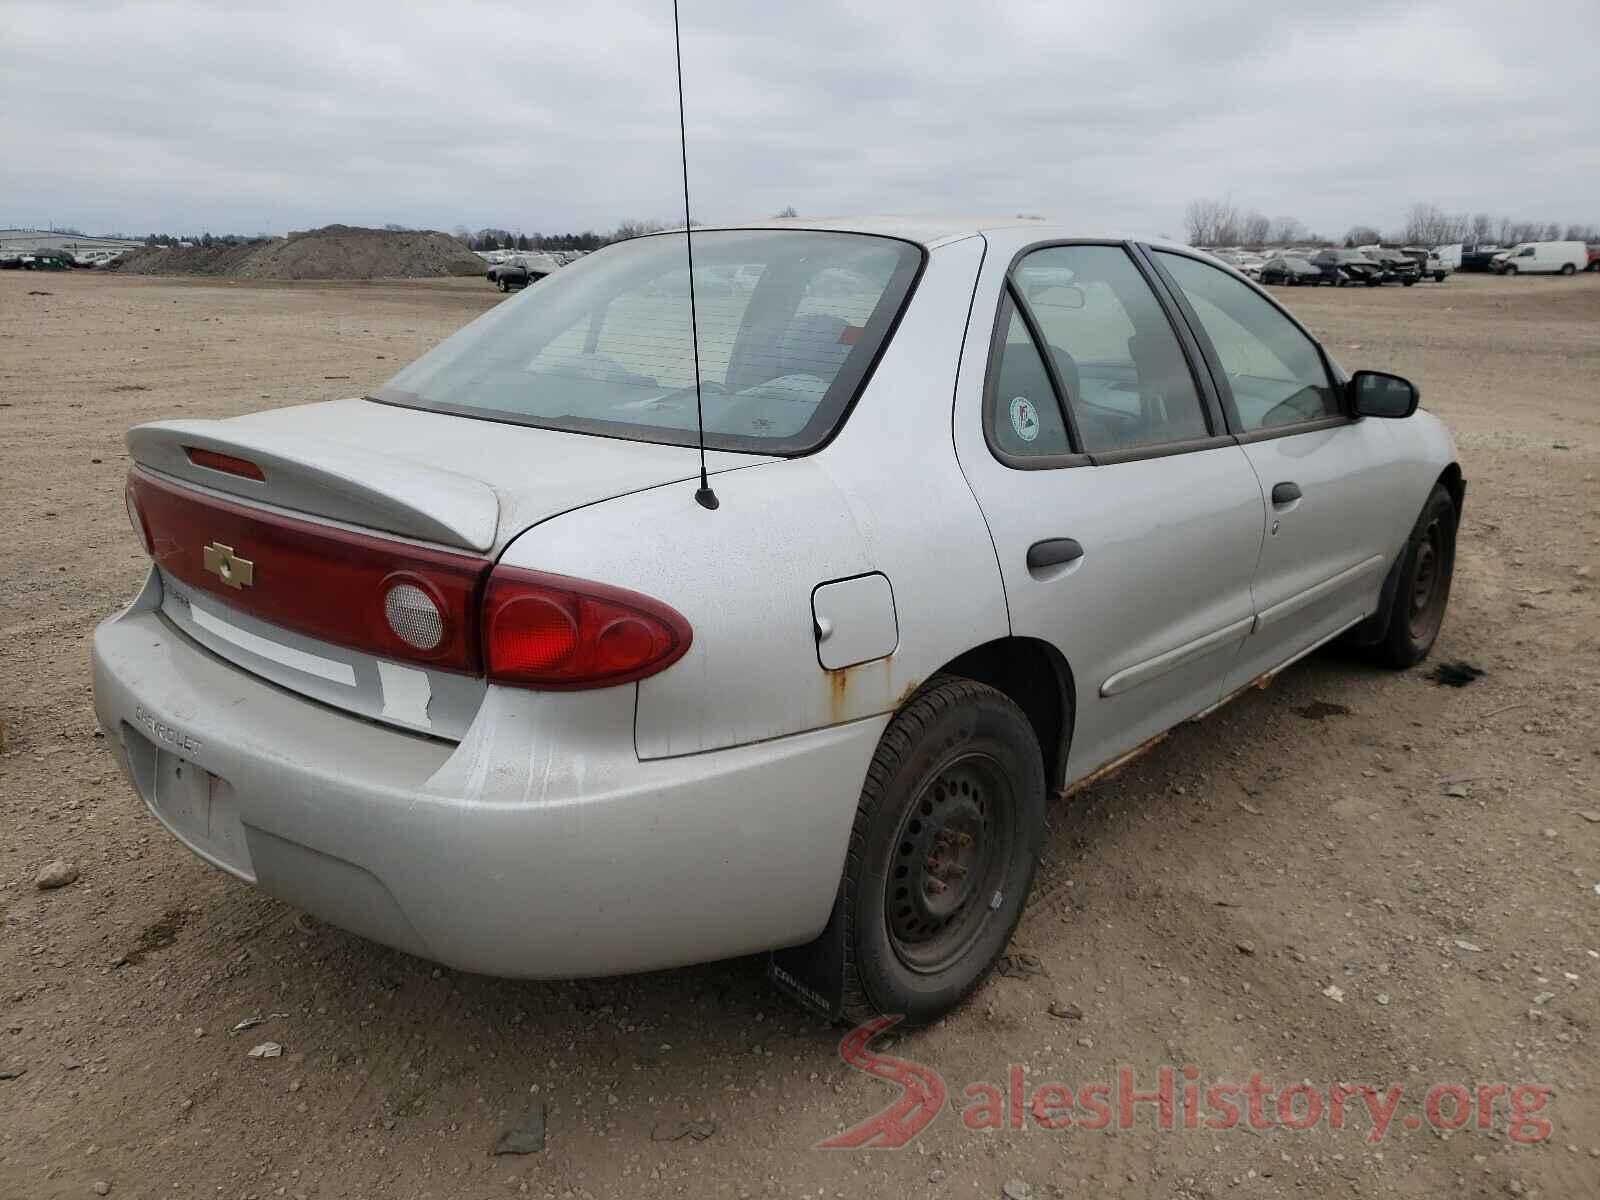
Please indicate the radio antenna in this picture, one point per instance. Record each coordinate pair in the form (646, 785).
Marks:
(704, 496)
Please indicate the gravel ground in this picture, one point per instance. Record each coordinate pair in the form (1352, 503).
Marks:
(1352, 876)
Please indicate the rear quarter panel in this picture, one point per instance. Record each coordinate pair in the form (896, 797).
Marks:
(885, 495)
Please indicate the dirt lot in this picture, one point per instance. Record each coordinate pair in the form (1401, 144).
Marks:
(1351, 876)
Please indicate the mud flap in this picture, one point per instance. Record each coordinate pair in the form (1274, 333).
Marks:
(813, 974)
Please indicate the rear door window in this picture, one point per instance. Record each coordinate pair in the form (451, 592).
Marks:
(1124, 372)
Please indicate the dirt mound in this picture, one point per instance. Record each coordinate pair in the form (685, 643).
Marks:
(184, 260)
(333, 252)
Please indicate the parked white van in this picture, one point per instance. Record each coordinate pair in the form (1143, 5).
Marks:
(1541, 258)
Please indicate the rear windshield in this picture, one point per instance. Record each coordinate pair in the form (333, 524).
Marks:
(790, 323)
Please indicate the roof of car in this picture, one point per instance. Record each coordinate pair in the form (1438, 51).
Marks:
(936, 231)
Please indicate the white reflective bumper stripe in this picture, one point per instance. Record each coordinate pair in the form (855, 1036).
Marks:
(311, 664)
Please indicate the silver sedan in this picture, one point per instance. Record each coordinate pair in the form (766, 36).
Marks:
(464, 666)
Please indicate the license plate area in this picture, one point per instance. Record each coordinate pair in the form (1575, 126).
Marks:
(201, 808)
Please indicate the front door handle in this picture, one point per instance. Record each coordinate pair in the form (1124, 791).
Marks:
(1053, 552)
(1285, 493)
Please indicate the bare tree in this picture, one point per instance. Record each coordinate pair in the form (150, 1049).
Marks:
(1287, 230)
(787, 212)
(1254, 230)
(1361, 235)
(1211, 223)
(1422, 224)
(637, 227)
(1430, 225)
(1482, 227)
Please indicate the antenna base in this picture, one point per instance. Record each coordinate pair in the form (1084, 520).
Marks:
(706, 498)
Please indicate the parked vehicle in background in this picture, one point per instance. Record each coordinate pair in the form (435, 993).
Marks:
(1542, 258)
(1594, 259)
(519, 272)
(1291, 270)
(1348, 266)
(46, 260)
(1251, 264)
(1477, 257)
(465, 668)
(1397, 267)
(1430, 262)
(1449, 256)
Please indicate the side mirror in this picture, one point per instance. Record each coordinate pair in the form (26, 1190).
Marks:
(1378, 394)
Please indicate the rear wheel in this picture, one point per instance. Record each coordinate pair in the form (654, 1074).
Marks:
(946, 837)
(1438, 276)
(1416, 610)
(1569, 269)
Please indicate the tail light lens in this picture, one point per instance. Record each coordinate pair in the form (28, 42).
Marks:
(558, 633)
(405, 602)
(375, 594)
(136, 518)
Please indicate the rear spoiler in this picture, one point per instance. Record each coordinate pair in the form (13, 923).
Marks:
(330, 479)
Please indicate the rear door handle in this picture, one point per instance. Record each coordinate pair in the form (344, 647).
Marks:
(1052, 552)
(1285, 493)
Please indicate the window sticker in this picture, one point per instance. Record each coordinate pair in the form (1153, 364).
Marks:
(1024, 418)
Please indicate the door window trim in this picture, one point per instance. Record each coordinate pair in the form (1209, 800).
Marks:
(1212, 409)
(1214, 362)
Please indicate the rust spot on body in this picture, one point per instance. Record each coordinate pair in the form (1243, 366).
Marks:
(1115, 765)
(840, 680)
(838, 692)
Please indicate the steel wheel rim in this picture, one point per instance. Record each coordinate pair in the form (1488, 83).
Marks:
(1427, 576)
(948, 862)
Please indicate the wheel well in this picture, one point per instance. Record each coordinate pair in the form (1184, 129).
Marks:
(1451, 480)
(1036, 678)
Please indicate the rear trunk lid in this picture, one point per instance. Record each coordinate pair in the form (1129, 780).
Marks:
(424, 483)
(450, 480)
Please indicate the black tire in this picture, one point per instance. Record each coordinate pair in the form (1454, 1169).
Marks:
(502, 285)
(1416, 610)
(1568, 269)
(946, 838)
(1438, 276)
(1511, 270)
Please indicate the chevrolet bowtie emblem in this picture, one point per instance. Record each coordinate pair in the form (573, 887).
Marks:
(235, 572)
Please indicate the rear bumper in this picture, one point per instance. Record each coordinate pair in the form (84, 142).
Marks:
(538, 847)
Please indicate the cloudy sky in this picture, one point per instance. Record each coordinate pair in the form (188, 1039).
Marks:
(235, 117)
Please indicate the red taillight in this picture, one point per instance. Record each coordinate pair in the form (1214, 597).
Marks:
(375, 594)
(226, 463)
(136, 517)
(555, 632)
